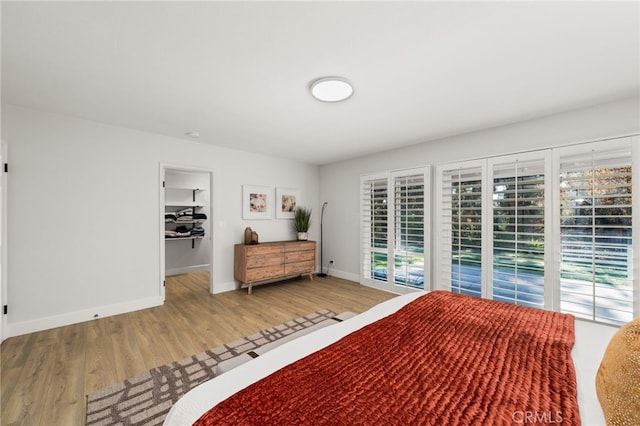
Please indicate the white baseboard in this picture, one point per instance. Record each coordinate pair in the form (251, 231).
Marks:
(344, 275)
(186, 270)
(222, 287)
(374, 284)
(233, 285)
(31, 326)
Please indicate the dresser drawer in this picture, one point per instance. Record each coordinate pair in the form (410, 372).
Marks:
(300, 246)
(299, 256)
(266, 259)
(299, 267)
(266, 273)
(263, 249)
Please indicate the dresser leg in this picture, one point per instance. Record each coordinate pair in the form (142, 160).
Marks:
(311, 276)
(249, 290)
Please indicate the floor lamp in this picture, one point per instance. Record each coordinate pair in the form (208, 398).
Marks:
(321, 274)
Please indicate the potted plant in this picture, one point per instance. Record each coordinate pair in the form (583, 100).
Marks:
(302, 221)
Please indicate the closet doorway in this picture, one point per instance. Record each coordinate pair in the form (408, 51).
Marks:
(186, 222)
(3, 240)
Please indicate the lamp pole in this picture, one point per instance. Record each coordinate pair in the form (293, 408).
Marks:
(321, 273)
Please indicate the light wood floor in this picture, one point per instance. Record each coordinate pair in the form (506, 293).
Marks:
(46, 375)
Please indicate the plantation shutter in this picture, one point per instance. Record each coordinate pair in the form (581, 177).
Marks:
(409, 228)
(518, 238)
(374, 229)
(460, 227)
(596, 247)
(556, 226)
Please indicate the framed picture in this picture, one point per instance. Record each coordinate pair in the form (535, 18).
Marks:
(287, 200)
(257, 202)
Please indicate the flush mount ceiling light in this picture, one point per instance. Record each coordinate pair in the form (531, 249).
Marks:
(192, 134)
(331, 89)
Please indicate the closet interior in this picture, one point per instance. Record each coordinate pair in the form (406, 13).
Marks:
(187, 229)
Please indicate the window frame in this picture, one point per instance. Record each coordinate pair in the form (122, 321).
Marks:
(552, 255)
(631, 143)
(441, 238)
(366, 249)
(527, 157)
(390, 284)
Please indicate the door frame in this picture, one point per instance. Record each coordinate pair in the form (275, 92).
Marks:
(163, 167)
(3, 242)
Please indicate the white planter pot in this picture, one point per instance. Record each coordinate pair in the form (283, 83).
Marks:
(302, 236)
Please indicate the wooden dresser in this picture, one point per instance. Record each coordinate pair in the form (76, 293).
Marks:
(273, 261)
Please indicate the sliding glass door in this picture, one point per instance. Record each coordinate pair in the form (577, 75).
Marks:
(547, 229)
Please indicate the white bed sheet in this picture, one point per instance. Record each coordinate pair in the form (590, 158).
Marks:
(591, 341)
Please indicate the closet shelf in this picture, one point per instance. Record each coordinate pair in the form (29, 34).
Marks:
(183, 238)
(181, 204)
(182, 188)
(185, 222)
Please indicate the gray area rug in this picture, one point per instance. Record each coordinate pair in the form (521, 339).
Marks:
(146, 399)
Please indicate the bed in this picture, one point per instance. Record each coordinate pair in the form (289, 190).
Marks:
(239, 388)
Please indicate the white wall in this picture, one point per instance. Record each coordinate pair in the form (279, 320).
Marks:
(339, 182)
(72, 254)
(83, 221)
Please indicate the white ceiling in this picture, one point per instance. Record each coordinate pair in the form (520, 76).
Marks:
(238, 72)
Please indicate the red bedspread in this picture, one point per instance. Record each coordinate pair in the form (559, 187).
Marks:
(444, 359)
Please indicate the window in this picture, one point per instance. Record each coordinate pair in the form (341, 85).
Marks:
(393, 228)
(374, 227)
(408, 229)
(519, 217)
(548, 229)
(596, 242)
(461, 216)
